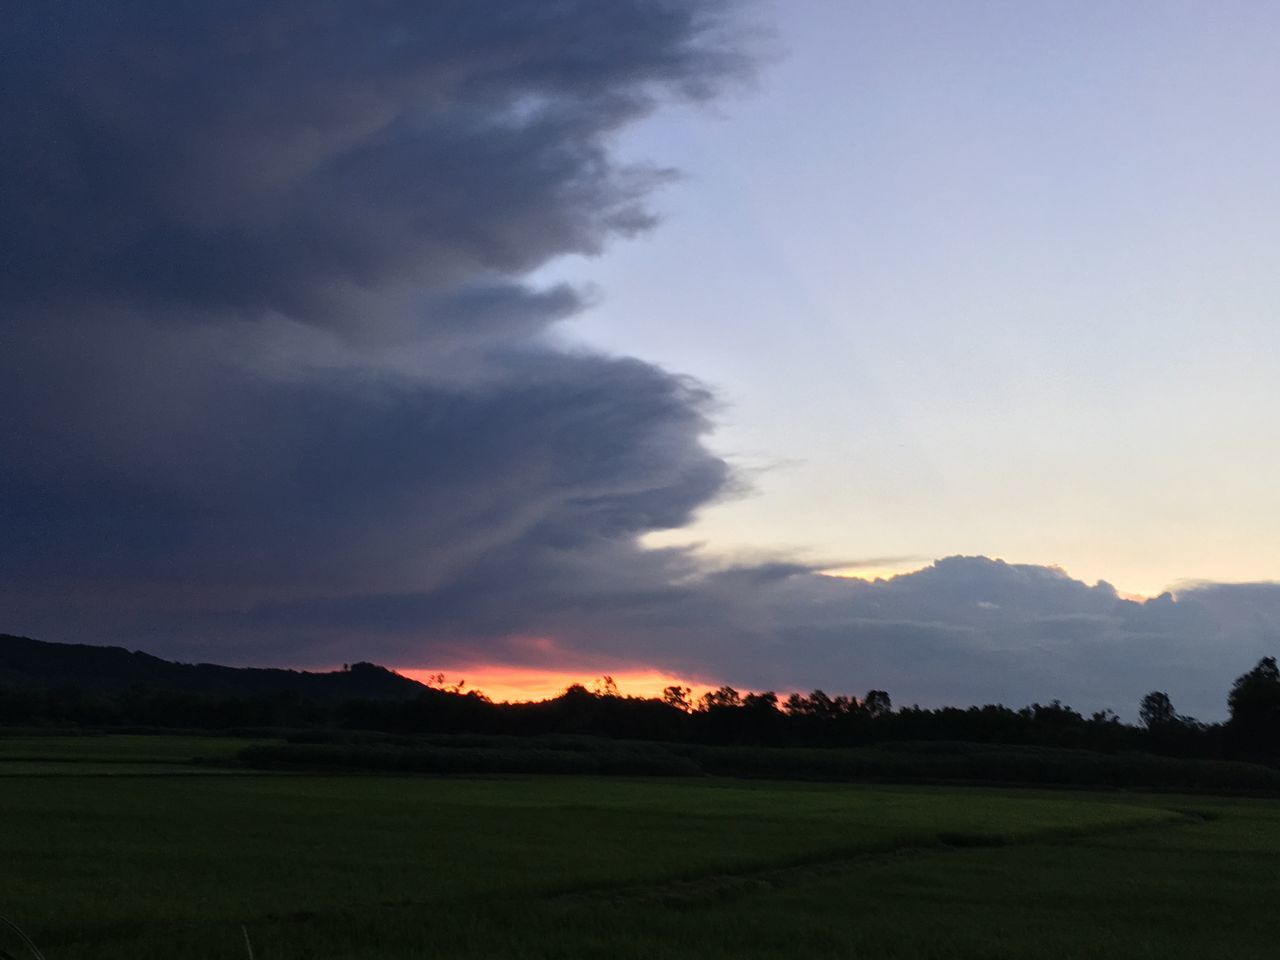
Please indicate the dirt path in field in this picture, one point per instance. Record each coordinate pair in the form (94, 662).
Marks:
(726, 885)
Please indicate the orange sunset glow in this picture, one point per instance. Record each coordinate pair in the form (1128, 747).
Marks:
(500, 682)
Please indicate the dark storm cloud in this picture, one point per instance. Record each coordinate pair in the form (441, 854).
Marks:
(266, 337)
(304, 488)
(298, 156)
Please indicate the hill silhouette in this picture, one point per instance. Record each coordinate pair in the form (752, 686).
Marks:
(39, 665)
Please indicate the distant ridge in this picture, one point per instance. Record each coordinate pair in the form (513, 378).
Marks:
(36, 664)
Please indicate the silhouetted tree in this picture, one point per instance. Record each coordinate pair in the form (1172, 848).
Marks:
(877, 704)
(606, 687)
(1169, 731)
(767, 701)
(796, 705)
(821, 705)
(1254, 703)
(677, 696)
(724, 697)
(1156, 711)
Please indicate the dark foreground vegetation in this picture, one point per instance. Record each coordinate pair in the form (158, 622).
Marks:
(141, 866)
(365, 717)
(892, 762)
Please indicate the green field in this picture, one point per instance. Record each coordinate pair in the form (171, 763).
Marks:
(115, 755)
(140, 865)
(121, 748)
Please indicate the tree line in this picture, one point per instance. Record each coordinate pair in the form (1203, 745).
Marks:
(719, 717)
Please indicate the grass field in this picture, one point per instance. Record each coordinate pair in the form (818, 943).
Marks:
(146, 866)
(116, 755)
(121, 748)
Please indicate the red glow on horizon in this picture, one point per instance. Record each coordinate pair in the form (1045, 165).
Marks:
(502, 683)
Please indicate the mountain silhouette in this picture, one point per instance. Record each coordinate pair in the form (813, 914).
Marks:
(38, 665)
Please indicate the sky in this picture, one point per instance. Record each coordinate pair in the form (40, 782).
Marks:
(987, 278)
(918, 347)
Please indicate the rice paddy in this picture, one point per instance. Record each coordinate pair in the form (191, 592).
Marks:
(145, 864)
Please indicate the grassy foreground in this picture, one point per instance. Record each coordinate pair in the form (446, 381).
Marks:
(144, 866)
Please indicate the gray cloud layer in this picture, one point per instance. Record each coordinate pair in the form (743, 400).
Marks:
(266, 339)
(302, 157)
(276, 388)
